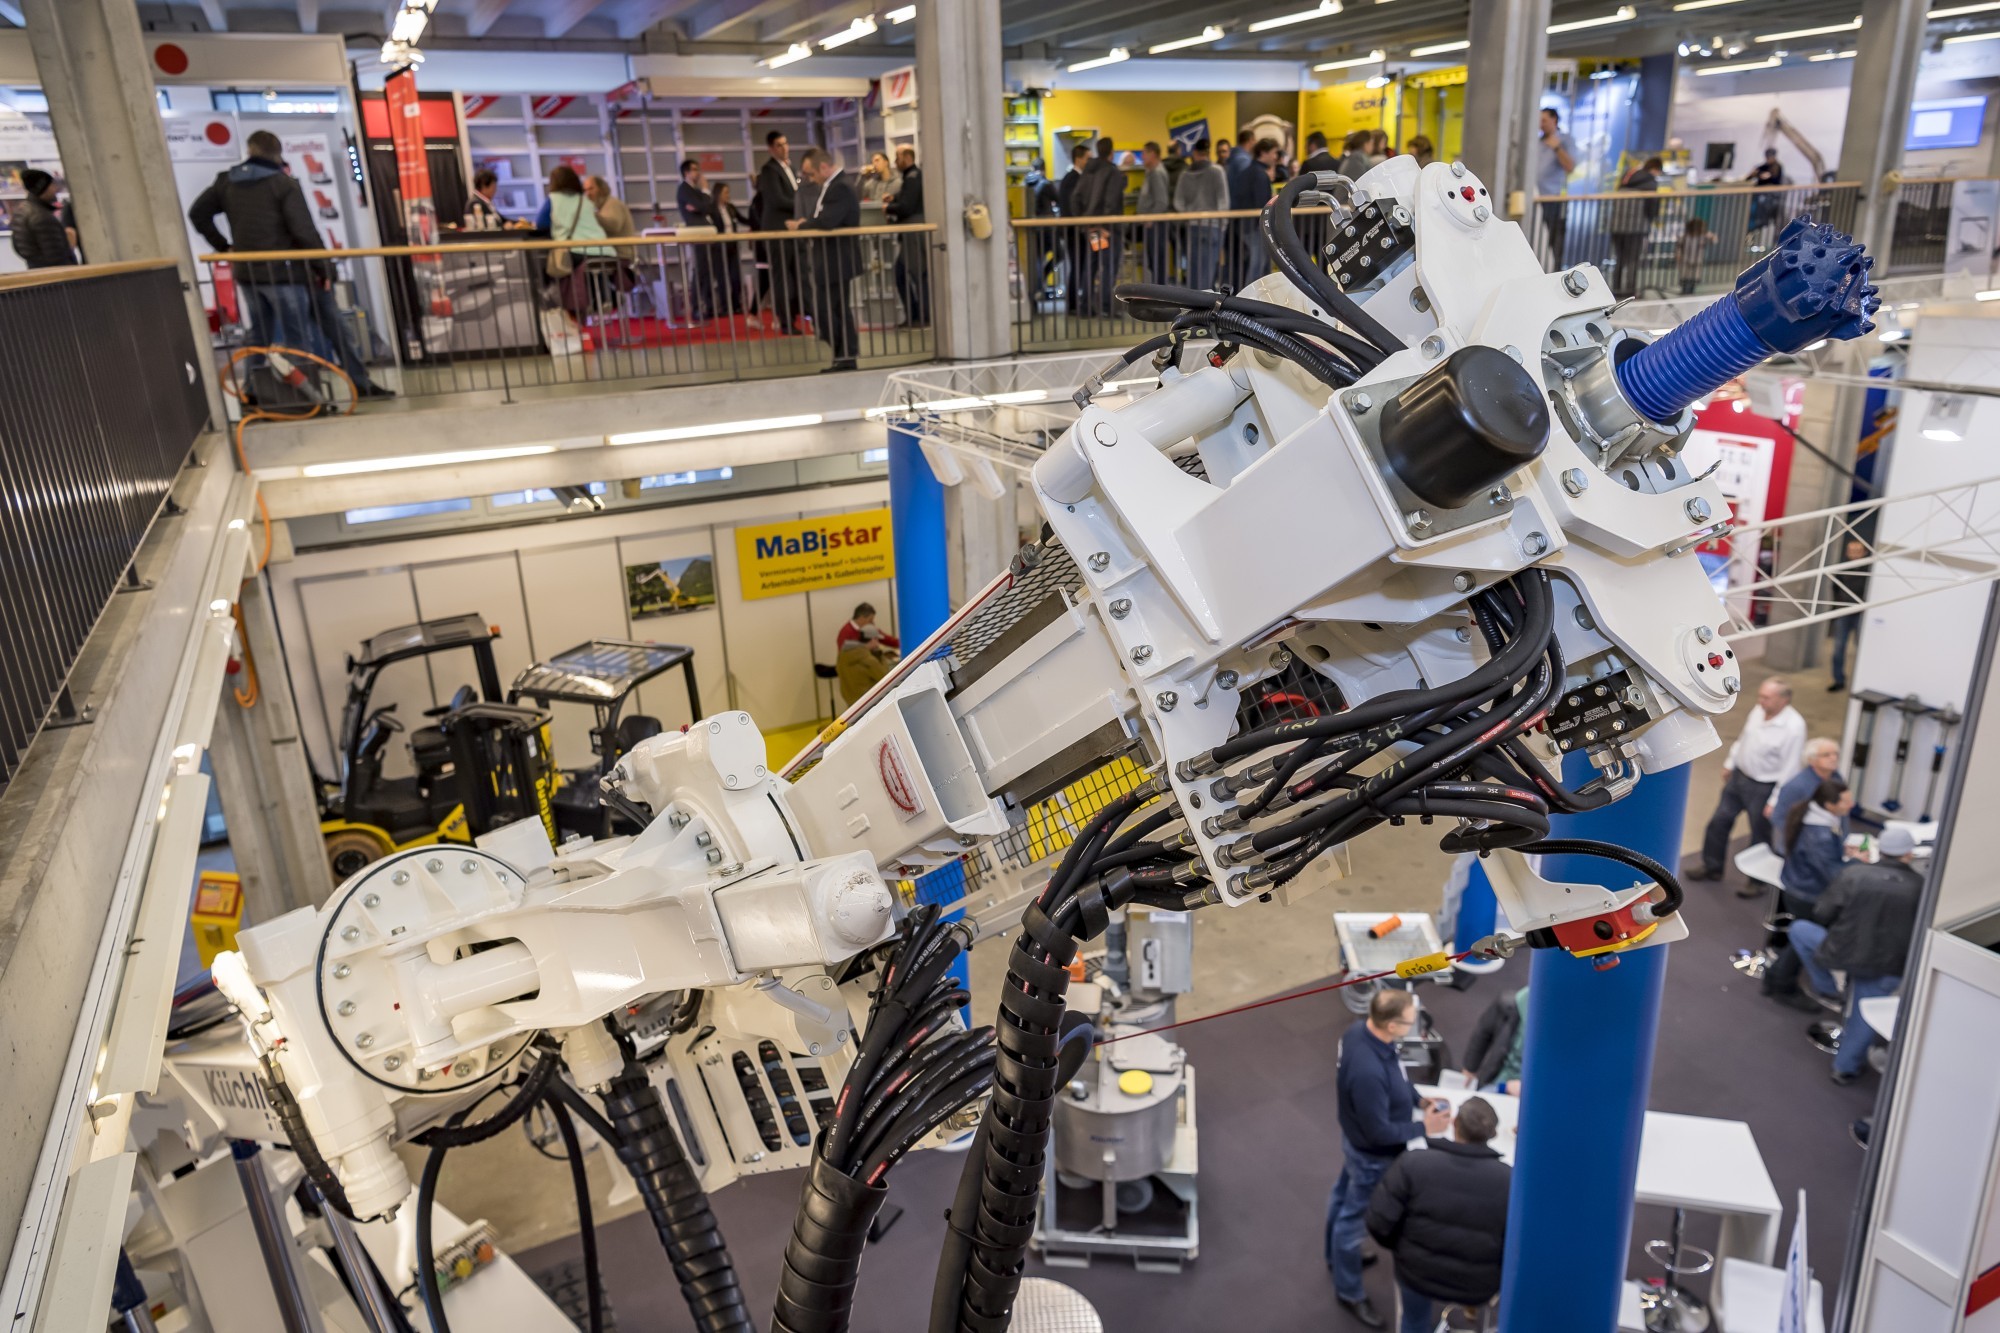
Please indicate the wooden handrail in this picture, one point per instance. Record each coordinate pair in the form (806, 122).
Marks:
(577, 243)
(47, 277)
(1320, 210)
(1702, 191)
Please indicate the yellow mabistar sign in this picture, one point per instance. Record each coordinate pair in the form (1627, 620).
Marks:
(780, 558)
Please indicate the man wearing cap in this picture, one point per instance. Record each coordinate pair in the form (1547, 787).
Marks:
(1443, 1214)
(39, 238)
(1862, 926)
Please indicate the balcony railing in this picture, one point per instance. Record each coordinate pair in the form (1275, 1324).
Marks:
(501, 317)
(99, 405)
(1674, 242)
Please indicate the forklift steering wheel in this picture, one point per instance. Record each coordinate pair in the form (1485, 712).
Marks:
(387, 717)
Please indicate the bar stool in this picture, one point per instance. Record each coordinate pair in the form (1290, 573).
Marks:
(1667, 1306)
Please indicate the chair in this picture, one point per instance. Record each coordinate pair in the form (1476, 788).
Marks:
(1668, 1307)
(823, 672)
(1760, 865)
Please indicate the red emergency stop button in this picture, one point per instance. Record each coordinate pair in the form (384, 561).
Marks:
(1466, 191)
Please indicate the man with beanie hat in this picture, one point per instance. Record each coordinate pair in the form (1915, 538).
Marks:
(39, 237)
(1443, 1214)
(1862, 925)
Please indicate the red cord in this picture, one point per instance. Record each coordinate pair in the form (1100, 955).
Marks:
(1277, 999)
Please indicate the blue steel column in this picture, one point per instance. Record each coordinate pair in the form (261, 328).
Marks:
(1586, 1068)
(923, 600)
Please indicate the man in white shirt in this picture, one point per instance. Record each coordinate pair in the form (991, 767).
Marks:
(1769, 752)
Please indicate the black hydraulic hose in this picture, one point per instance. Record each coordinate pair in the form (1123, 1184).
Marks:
(1321, 364)
(823, 1256)
(427, 1279)
(1638, 861)
(1148, 298)
(651, 1151)
(299, 1136)
(579, 1176)
(456, 1135)
(956, 1256)
(1297, 262)
(580, 1107)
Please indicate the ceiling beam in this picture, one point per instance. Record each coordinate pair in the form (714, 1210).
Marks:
(717, 16)
(308, 15)
(817, 19)
(566, 15)
(11, 11)
(485, 13)
(218, 20)
(640, 16)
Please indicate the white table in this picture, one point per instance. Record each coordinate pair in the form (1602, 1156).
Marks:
(1685, 1161)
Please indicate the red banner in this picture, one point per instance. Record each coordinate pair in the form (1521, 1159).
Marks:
(477, 104)
(550, 104)
(413, 181)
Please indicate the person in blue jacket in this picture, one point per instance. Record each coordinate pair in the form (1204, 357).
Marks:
(1815, 833)
(1377, 1123)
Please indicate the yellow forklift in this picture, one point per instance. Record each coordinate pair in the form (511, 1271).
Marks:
(480, 761)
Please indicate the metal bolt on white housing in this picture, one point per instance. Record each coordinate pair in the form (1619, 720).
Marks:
(1099, 560)
(1165, 700)
(1226, 679)
(1462, 581)
(1575, 282)
(1703, 634)
(1697, 510)
(1121, 607)
(1142, 653)
(1574, 481)
(1535, 544)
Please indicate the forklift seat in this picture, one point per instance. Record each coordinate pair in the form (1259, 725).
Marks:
(635, 728)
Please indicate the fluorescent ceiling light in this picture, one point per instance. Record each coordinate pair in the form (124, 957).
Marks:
(1326, 8)
(796, 52)
(452, 459)
(1378, 81)
(1623, 14)
(1849, 26)
(714, 429)
(1604, 74)
(903, 15)
(1209, 34)
(1439, 49)
(1832, 55)
(1352, 61)
(1973, 37)
(1957, 10)
(1771, 63)
(1703, 4)
(1993, 295)
(960, 404)
(855, 31)
(1894, 335)
(1118, 53)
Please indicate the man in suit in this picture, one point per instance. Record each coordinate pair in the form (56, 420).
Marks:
(836, 258)
(777, 193)
(1068, 191)
(1317, 157)
(711, 263)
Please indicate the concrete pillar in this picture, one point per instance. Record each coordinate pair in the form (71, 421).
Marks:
(264, 779)
(95, 74)
(960, 135)
(1889, 45)
(1503, 88)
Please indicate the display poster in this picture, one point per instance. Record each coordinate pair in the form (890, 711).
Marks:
(202, 136)
(780, 558)
(1973, 231)
(413, 179)
(22, 140)
(1188, 127)
(1751, 460)
(669, 587)
(311, 160)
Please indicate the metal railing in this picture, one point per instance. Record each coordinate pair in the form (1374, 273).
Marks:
(502, 317)
(1921, 239)
(99, 406)
(1065, 269)
(1677, 241)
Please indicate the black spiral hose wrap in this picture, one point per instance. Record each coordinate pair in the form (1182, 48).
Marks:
(651, 1151)
(823, 1257)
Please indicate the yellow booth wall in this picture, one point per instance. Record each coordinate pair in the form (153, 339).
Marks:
(1130, 118)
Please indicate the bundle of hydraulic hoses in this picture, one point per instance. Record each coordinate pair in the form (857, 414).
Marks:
(916, 1067)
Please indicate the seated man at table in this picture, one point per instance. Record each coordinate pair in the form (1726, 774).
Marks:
(1443, 1214)
(1493, 1056)
(1862, 925)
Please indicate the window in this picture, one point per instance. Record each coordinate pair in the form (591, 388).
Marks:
(535, 497)
(874, 456)
(389, 513)
(686, 478)
(28, 100)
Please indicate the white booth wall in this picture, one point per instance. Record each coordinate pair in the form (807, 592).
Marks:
(551, 586)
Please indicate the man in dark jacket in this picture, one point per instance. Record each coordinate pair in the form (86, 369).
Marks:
(777, 192)
(1102, 195)
(1493, 1056)
(835, 259)
(39, 237)
(904, 207)
(267, 210)
(1862, 925)
(1068, 190)
(1377, 1106)
(1443, 1214)
(1317, 157)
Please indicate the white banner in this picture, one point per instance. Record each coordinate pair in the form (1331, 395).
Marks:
(312, 164)
(202, 136)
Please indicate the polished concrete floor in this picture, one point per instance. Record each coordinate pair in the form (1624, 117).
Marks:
(1260, 951)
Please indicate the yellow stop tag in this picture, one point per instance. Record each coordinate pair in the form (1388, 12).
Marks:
(1417, 967)
(1135, 1083)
